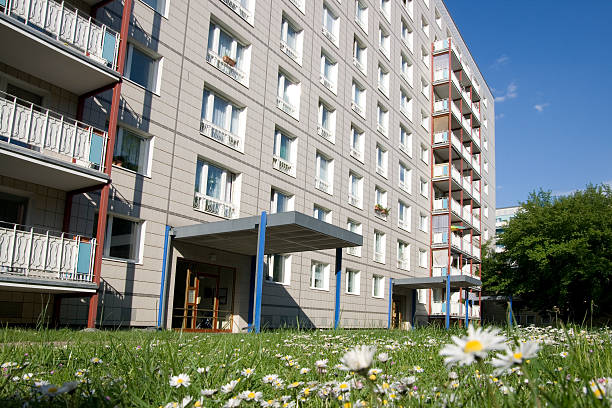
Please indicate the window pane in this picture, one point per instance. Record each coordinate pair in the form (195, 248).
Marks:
(213, 182)
(285, 147)
(219, 112)
(127, 150)
(141, 68)
(122, 240)
(278, 272)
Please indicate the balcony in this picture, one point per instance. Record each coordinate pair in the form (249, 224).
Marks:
(290, 52)
(328, 83)
(323, 185)
(41, 257)
(325, 134)
(358, 109)
(287, 107)
(282, 165)
(403, 264)
(214, 206)
(360, 66)
(44, 147)
(380, 211)
(355, 200)
(440, 204)
(330, 36)
(441, 106)
(242, 12)
(221, 135)
(59, 44)
(228, 67)
(439, 308)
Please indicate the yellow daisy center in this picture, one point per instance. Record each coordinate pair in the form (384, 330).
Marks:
(597, 393)
(372, 377)
(518, 355)
(472, 346)
(306, 391)
(251, 395)
(179, 380)
(343, 385)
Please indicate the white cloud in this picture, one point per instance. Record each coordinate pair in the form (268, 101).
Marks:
(501, 61)
(509, 94)
(500, 116)
(540, 106)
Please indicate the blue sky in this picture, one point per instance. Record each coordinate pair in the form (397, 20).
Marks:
(549, 64)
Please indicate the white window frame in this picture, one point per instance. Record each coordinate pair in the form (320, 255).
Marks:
(229, 114)
(407, 185)
(154, 84)
(329, 83)
(425, 120)
(291, 93)
(424, 187)
(382, 120)
(362, 23)
(423, 257)
(325, 278)
(286, 22)
(274, 200)
(357, 149)
(406, 104)
(244, 62)
(383, 80)
(424, 154)
(408, 73)
(406, 251)
(331, 130)
(145, 158)
(360, 63)
(423, 222)
(359, 193)
(361, 101)
(378, 285)
(405, 216)
(381, 168)
(425, 26)
(138, 239)
(407, 35)
(159, 9)
(384, 42)
(383, 244)
(330, 170)
(293, 146)
(286, 260)
(327, 214)
(356, 283)
(385, 9)
(327, 14)
(357, 228)
(406, 147)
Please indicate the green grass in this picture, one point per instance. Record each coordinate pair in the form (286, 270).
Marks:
(137, 365)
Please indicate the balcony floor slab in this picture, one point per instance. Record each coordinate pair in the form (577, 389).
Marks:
(26, 284)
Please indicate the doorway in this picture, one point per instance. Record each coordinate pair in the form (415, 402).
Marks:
(203, 297)
(397, 311)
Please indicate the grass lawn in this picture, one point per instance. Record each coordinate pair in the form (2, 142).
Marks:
(293, 368)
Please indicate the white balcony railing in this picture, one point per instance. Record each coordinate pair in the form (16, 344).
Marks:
(403, 224)
(323, 185)
(379, 257)
(440, 204)
(467, 184)
(290, 52)
(358, 109)
(299, 4)
(359, 65)
(441, 137)
(475, 311)
(214, 206)
(440, 74)
(476, 251)
(239, 9)
(52, 134)
(221, 135)
(476, 223)
(355, 200)
(355, 251)
(455, 141)
(403, 264)
(439, 271)
(456, 207)
(357, 154)
(456, 111)
(283, 165)
(328, 83)
(455, 80)
(455, 174)
(440, 170)
(456, 240)
(330, 36)
(286, 107)
(382, 129)
(325, 133)
(43, 254)
(441, 106)
(232, 71)
(441, 45)
(69, 26)
(436, 308)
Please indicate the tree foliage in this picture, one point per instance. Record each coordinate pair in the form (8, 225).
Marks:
(558, 253)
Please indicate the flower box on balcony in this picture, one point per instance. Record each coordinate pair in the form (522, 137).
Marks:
(382, 210)
(229, 61)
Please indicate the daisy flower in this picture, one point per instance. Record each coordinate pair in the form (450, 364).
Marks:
(250, 395)
(232, 402)
(247, 372)
(229, 387)
(600, 388)
(514, 357)
(304, 370)
(208, 392)
(474, 347)
(383, 357)
(53, 390)
(359, 359)
(343, 387)
(418, 369)
(96, 360)
(181, 380)
(563, 354)
(270, 378)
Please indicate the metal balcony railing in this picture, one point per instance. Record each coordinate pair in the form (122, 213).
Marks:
(359, 65)
(325, 133)
(323, 185)
(286, 107)
(237, 8)
(69, 26)
(354, 200)
(330, 36)
(214, 206)
(27, 125)
(328, 83)
(44, 254)
(230, 70)
(221, 135)
(358, 109)
(291, 53)
(283, 165)
(355, 251)
(403, 264)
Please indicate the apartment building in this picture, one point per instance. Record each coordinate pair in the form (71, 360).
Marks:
(123, 122)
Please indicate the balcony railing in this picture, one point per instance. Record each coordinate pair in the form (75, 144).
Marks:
(355, 251)
(403, 224)
(328, 83)
(291, 53)
(283, 165)
(44, 254)
(237, 8)
(299, 4)
(382, 129)
(325, 133)
(214, 206)
(403, 264)
(456, 111)
(456, 207)
(330, 36)
(232, 71)
(379, 257)
(474, 311)
(27, 125)
(441, 106)
(69, 26)
(354, 200)
(357, 154)
(440, 204)
(439, 308)
(455, 80)
(440, 75)
(406, 149)
(323, 185)
(440, 170)
(359, 65)
(358, 109)
(441, 137)
(221, 135)
(467, 184)
(286, 107)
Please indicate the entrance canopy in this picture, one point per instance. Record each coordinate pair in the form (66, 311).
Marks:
(430, 282)
(285, 233)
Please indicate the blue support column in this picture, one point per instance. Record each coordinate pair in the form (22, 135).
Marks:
(447, 301)
(252, 293)
(390, 302)
(261, 245)
(510, 314)
(338, 287)
(414, 302)
(162, 288)
(467, 308)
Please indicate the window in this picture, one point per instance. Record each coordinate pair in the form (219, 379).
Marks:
(407, 70)
(405, 178)
(438, 18)
(404, 216)
(331, 25)
(357, 143)
(361, 15)
(425, 56)
(123, 238)
(381, 161)
(280, 202)
(485, 234)
(321, 214)
(214, 190)
(359, 99)
(355, 190)
(409, 6)
(379, 247)
(425, 26)
(132, 151)
(485, 165)
(405, 142)
(292, 39)
(378, 286)
(329, 73)
(485, 187)
(423, 222)
(424, 154)
(319, 278)
(407, 36)
(485, 142)
(157, 5)
(403, 255)
(385, 7)
(324, 173)
(360, 56)
(380, 200)
(383, 80)
(353, 281)
(424, 187)
(244, 8)
(327, 122)
(425, 88)
(222, 120)
(423, 261)
(288, 99)
(355, 227)
(384, 42)
(142, 68)
(485, 211)
(405, 104)
(425, 120)
(227, 54)
(279, 269)
(285, 152)
(383, 120)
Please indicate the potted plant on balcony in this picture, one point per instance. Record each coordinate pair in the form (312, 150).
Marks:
(229, 61)
(118, 161)
(381, 210)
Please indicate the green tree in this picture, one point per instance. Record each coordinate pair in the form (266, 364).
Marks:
(558, 252)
